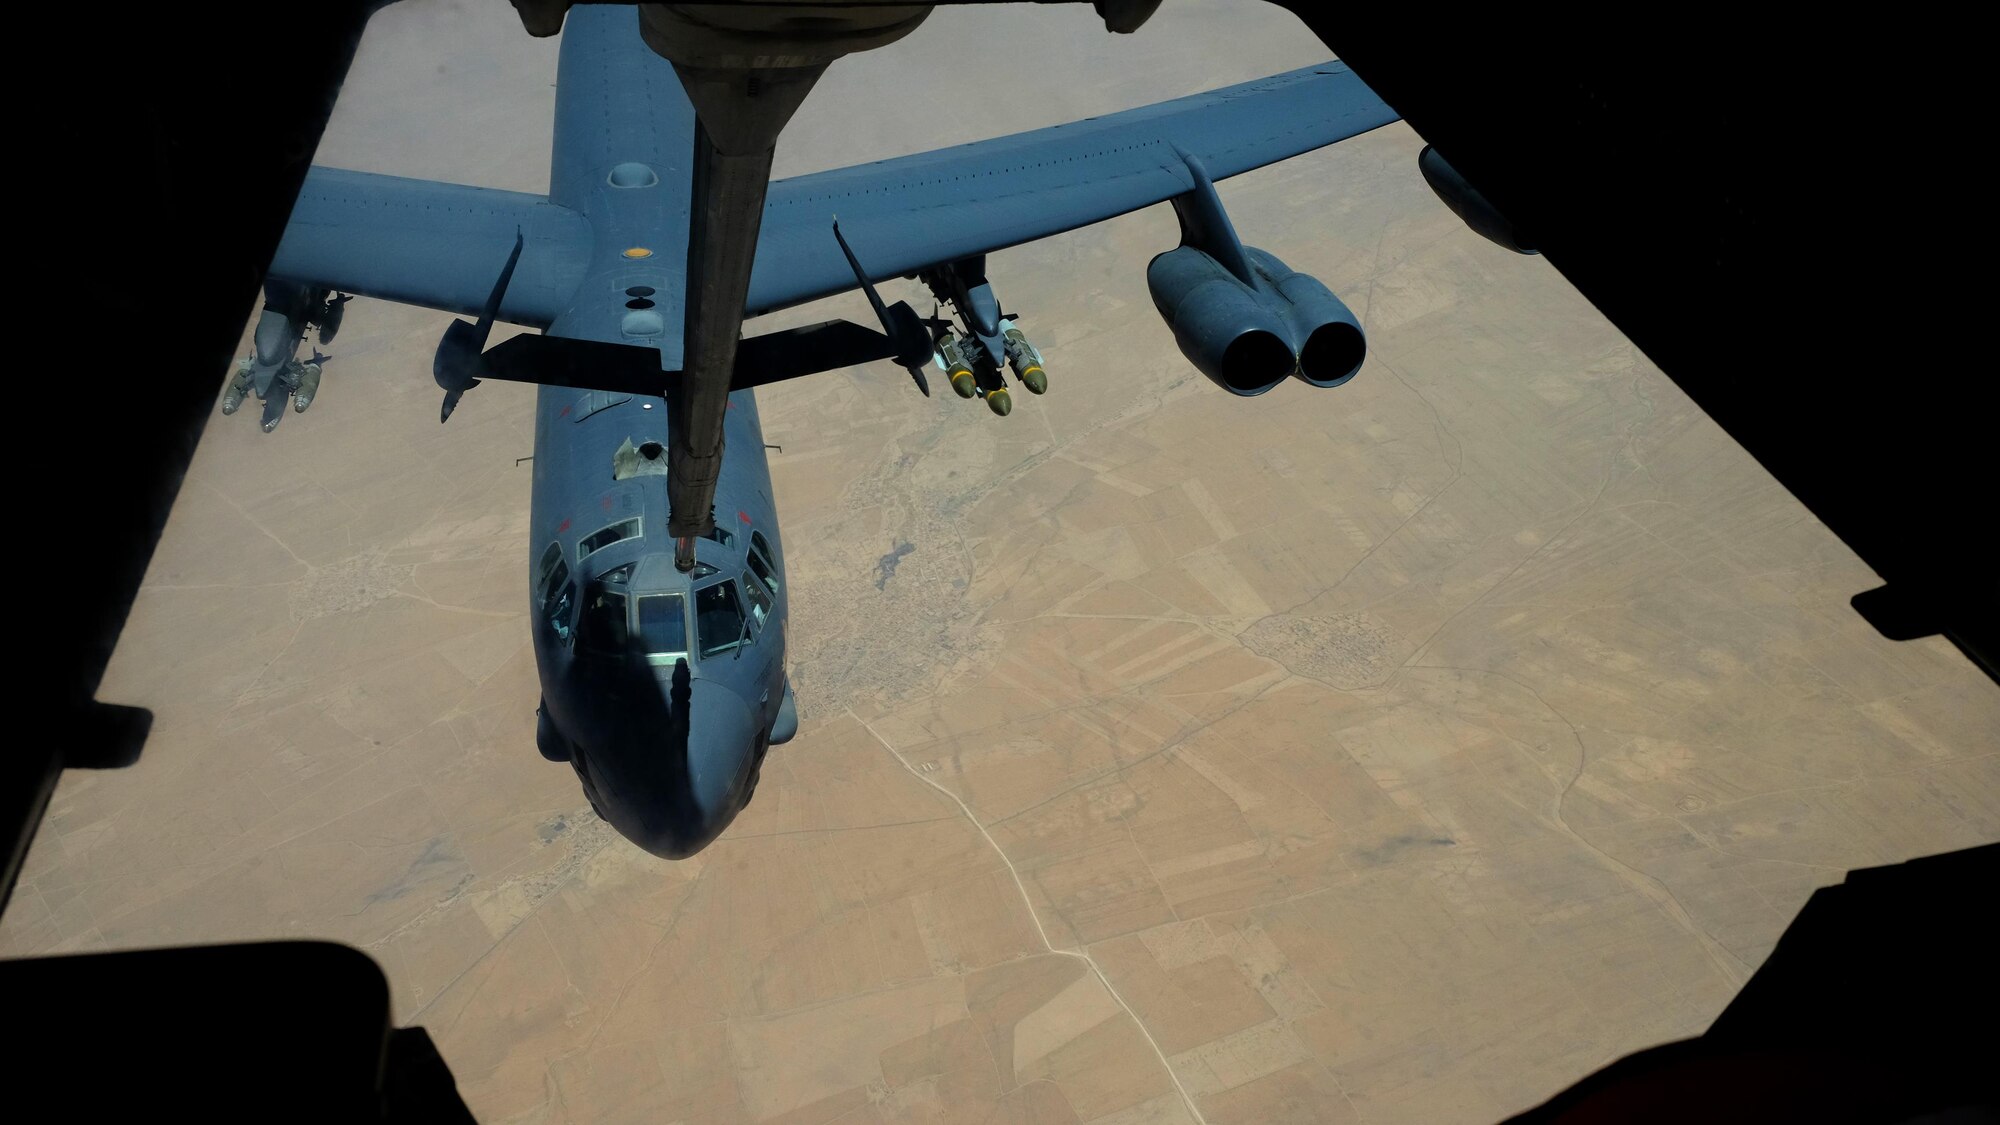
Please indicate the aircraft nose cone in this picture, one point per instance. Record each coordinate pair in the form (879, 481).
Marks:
(721, 733)
(672, 788)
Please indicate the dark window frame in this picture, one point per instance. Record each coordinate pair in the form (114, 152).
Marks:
(760, 552)
(547, 566)
(559, 603)
(761, 602)
(584, 550)
(588, 638)
(740, 637)
(664, 656)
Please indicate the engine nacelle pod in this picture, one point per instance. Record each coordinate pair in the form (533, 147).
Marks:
(1231, 336)
(1468, 204)
(1329, 338)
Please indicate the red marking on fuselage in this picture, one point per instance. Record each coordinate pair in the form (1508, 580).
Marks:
(607, 503)
(743, 515)
(562, 527)
(563, 413)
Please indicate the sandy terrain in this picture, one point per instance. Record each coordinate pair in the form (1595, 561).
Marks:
(1400, 752)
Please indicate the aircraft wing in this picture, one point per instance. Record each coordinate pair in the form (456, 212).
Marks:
(442, 246)
(432, 244)
(912, 212)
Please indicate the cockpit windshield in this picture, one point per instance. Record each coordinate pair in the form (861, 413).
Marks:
(601, 627)
(718, 618)
(760, 602)
(663, 627)
(557, 594)
(760, 561)
(556, 600)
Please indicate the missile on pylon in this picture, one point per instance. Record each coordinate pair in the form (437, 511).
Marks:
(302, 397)
(1024, 358)
(952, 358)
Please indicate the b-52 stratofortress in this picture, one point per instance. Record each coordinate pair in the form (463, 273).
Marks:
(659, 622)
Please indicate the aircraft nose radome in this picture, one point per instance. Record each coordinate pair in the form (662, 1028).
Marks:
(721, 734)
(702, 801)
(665, 775)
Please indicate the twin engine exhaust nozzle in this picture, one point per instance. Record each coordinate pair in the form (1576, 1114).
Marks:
(1242, 317)
(1247, 338)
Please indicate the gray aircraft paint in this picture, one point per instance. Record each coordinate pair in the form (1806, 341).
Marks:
(623, 141)
(669, 752)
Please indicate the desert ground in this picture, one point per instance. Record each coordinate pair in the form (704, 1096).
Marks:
(1394, 753)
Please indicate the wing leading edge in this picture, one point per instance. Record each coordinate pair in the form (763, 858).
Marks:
(921, 210)
(440, 245)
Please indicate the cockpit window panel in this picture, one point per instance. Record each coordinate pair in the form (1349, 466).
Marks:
(605, 536)
(718, 618)
(760, 602)
(663, 628)
(550, 559)
(617, 574)
(602, 627)
(557, 599)
(760, 561)
(719, 534)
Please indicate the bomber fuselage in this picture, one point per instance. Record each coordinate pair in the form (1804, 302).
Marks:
(661, 687)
